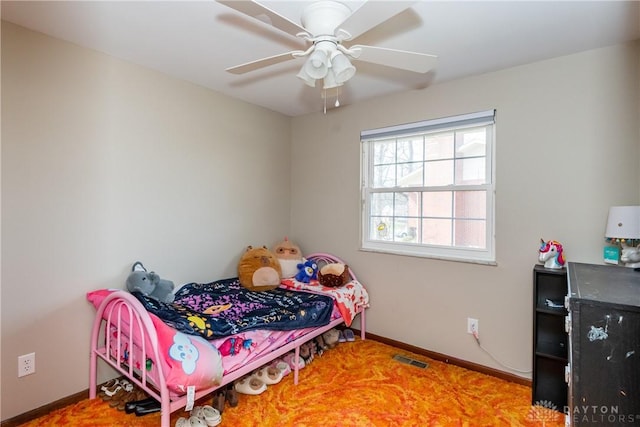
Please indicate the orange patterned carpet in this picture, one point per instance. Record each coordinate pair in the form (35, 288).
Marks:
(356, 384)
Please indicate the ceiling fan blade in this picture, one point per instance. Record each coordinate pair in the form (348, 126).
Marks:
(410, 61)
(371, 14)
(264, 62)
(264, 14)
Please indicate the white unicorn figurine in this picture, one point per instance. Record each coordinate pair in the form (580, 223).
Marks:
(551, 253)
(630, 256)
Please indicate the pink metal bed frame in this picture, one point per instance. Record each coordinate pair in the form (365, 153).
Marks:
(122, 311)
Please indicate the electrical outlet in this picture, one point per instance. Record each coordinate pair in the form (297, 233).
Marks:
(26, 364)
(472, 327)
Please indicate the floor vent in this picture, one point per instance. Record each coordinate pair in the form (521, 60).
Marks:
(409, 361)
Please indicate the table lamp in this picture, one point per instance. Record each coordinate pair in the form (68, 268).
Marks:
(623, 229)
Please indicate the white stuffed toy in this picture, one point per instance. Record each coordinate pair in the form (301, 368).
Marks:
(289, 256)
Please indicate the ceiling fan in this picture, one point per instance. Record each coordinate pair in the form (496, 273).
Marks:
(325, 26)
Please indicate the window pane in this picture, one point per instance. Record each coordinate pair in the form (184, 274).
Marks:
(381, 204)
(384, 152)
(470, 233)
(384, 176)
(407, 204)
(439, 173)
(410, 175)
(413, 227)
(439, 146)
(437, 204)
(405, 230)
(471, 204)
(436, 232)
(470, 171)
(380, 228)
(409, 149)
(471, 142)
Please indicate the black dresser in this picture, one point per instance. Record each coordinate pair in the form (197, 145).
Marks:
(604, 345)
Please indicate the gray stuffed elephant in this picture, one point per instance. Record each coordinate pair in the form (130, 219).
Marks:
(149, 283)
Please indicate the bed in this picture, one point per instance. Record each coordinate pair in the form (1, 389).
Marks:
(178, 357)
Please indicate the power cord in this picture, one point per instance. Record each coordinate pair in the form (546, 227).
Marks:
(477, 338)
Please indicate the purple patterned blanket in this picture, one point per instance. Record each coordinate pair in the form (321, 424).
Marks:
(224, 307)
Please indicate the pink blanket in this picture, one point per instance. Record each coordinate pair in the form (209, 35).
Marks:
(349, 298)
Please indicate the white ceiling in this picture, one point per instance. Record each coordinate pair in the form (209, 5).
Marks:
(197, 40)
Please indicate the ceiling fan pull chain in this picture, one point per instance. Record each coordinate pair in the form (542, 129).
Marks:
(325, 101)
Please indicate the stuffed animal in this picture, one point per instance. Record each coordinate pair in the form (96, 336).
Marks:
(307, 271)
(289, 256)
(331, 338)
(149, 284)
(334, 275)
(259, 269)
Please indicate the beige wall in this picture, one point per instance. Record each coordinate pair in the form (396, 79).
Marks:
(105, 163)
(567, 147)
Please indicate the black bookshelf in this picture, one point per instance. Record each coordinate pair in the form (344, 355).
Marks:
(550, 339)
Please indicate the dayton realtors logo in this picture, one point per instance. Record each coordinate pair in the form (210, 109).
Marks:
(601, 415)
(544, 411)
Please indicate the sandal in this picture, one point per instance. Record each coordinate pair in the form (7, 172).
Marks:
(282, 366)
(134, 396)
(109, 384)
(110, 391)
(211, 416)
(250, 385)
(199, 422)
(116, 389)
(125, 392)
(289, 359)
(190, 422)
(268, 375)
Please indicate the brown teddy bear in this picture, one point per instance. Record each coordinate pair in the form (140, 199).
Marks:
(259, 269)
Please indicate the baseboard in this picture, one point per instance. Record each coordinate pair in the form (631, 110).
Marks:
(44, 410)
(452, 360)
(75, 398)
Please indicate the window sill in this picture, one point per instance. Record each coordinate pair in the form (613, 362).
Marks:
(429, 256)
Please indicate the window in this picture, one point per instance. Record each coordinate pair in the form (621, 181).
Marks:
(427, 188)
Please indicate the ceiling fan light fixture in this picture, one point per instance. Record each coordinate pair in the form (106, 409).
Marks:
(342, 67)
(317, 64)
(326, 24)
(308, 80)
(330, 81)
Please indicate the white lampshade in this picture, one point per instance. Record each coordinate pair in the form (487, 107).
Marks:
(623, 222)
(317, 64)
(302, 75)
(330, 80)
(342, 67)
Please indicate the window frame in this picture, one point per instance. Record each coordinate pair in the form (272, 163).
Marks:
(453, 253)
